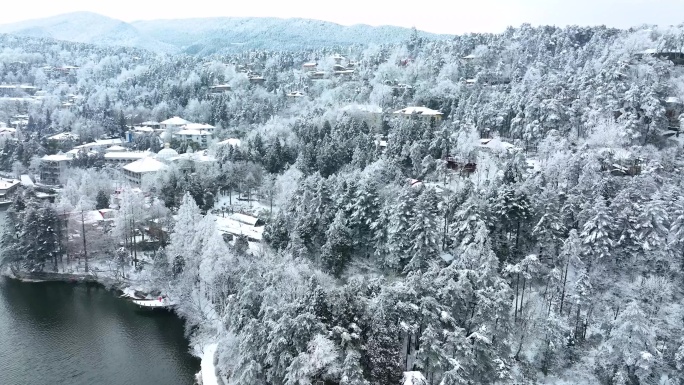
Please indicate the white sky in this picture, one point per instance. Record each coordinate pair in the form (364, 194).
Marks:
(441, 16)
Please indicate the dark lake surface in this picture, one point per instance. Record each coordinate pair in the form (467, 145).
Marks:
(59, 333)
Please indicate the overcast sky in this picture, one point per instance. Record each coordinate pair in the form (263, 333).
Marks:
(441, 16)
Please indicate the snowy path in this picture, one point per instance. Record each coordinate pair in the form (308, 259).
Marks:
(208, 370)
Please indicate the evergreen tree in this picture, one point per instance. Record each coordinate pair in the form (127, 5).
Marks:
(276, 232)
(183, 233)
(101, 200)
(401, 219)
(365, 212)
(597, 233)
(423, 233)
(336, 252)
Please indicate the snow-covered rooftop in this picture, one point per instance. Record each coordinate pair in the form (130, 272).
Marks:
(496, 144)
(246, 219)
(26, 181)
(231, 226)
(109, 142)
(230, 142)
(167, 153)
(673, 100)
(6, 184)
(144, 165)
(149, 123)
(101, 143)
(116, 148)
(175, 121)
(418, 111)
(62, 136)
(56, 158)
(363, 108)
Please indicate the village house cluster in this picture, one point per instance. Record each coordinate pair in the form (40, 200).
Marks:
(133, 165)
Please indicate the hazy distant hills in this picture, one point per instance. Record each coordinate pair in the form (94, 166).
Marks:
(206, 36)
(86, 27)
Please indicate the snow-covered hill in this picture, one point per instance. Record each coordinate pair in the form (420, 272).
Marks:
(206, 36)
(229, 34)
(87, 27)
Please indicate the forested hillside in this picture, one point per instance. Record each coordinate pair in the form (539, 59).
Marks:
(409, 245)
(207, 36)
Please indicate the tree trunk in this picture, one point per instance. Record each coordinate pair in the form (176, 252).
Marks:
(85, 250)
(515, 313)
(565, 280)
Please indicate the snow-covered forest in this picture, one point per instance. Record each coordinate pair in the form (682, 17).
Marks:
(552, 253)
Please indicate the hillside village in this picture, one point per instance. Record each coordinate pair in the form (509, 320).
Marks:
(485, 209)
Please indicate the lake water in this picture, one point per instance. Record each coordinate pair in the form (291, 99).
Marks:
(59, 333)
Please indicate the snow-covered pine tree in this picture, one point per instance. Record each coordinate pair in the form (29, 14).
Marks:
(401, 219)
(183, 234)
(337, 250)
(597, 234)
(423, 232)
(365, 212)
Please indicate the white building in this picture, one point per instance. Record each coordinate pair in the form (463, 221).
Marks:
(52, 167)
(151, 123)
(7, 188)
(120, 158)
(174, 123)
(100, 144)
(133, 172)
(201, 137)
(427, 114)
(200, 127)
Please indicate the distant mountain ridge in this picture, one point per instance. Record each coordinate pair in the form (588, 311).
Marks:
(86, 27)
(208, 35)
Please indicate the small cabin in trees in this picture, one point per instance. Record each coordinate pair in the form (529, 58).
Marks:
(459, 165)
(620, 162)
(256, 79)
(425, 114)
(317, 75)
(8, 187)
(309, 67)
(247, 220)
(219, 88)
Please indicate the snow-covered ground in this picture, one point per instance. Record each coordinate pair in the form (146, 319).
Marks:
(231, 226)
(208, 372)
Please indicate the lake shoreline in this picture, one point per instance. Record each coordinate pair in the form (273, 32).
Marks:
(117, 287)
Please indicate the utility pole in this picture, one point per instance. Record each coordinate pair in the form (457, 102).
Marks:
(83, 234)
